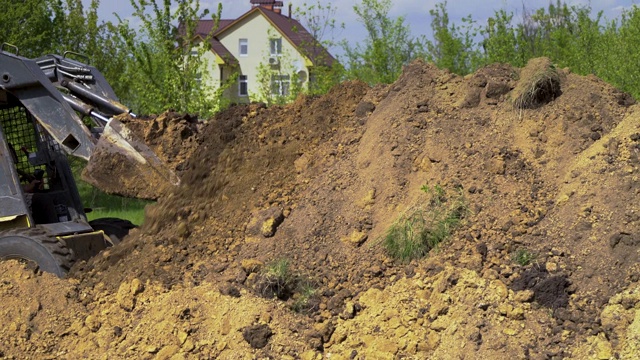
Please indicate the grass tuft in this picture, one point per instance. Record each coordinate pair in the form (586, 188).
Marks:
(412, 236)
(539, 84)
(277, 280)
(523, 257)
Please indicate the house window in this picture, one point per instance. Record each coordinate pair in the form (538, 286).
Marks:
(244, 47)
(243, 85)
(276, 46)
(280, 85)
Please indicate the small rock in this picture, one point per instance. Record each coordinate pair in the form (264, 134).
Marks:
(356, 238)
(124, 297)
(167, 352)
(251, 265)
(229, 290)
(182, 337)
(136, 286)
(257, 335)
(183, 230)
(349, 311)
(265, 318)
(516, 313)
(441, 323)
(604, 350)
(497, 166)
(551, 267)
(524, 296)
(92, 323)
(366, 107)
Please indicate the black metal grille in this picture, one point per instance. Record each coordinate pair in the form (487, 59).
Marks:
(20, 130)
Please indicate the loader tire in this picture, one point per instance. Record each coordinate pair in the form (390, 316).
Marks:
(35, 246)
(114, 228)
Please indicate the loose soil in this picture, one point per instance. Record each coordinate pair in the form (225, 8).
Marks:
(317, 183)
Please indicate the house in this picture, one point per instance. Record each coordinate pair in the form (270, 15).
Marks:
(270, 53)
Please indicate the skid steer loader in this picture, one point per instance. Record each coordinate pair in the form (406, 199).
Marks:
(42, 218)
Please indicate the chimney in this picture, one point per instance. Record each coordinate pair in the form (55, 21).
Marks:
(290, 6)
(273, 5)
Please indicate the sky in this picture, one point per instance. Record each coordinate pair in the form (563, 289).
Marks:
(415, 12)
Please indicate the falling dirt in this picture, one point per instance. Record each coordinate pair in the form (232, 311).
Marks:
(316, 185)
(142, 158)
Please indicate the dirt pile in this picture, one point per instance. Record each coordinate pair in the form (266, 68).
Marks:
(544, 265)
(142, 158)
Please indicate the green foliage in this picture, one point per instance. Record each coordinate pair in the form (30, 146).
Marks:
(412, 236)
(277, 279)
(500, 39)
(305, 297)
(105, 205)
(319, 20)
(571, 36)
(39, 27)
(167, 70)
(523, 257)
(389, 45)
(278, 84)
(453, 47)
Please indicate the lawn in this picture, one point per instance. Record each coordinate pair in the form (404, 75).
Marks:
(105, 205)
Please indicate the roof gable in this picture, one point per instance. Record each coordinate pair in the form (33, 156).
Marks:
(290, 28)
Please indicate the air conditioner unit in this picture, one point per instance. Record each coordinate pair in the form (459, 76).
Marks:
(274, 61)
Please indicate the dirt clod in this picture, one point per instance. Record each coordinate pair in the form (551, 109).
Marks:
(257, 335)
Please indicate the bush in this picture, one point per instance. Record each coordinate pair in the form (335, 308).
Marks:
(413, 236)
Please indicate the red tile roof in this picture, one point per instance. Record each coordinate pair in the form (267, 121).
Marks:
(291, 28)
(300, 37)
(205, 27)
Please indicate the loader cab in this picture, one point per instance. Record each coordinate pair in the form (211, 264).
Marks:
(30, 153)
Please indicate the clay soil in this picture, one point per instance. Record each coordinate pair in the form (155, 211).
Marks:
(316, 185)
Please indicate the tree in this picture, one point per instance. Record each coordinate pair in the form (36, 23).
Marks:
(319, 20)
(38, 27)
(453, 46)
(387, 48)
(500, 40)
(278, 84)
(166, 70)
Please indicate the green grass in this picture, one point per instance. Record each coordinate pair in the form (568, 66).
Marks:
(136, 216)
(304, 298)
(105, 205)
(277, 280)
(523, 257)
(412, 236)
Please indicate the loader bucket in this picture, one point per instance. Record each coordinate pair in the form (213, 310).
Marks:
(122, 164)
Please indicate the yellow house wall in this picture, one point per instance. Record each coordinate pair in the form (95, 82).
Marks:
(257, 30)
